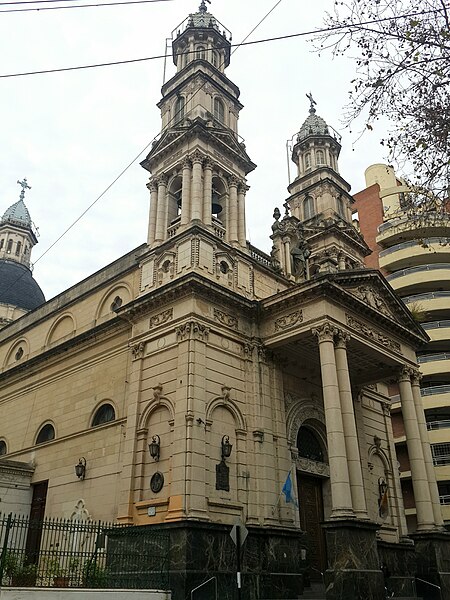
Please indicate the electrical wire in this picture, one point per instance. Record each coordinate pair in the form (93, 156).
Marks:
(40, 9)
(243, 43)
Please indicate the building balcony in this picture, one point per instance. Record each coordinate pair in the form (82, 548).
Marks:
(434, 364)
(413, 253)
(424, 278)
(407, 228)
(433, 425)
(435, 305)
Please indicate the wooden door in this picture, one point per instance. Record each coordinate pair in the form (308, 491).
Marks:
(37, 513)
(311, 516)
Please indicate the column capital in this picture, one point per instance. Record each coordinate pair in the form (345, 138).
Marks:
(243, 187)
(197, 157)
(325, 332)
(208, 163)
(186, 164)
(161, 180)
(416, 376)
(152, 185)
(341, 339)
(233, 181)
(405, 373)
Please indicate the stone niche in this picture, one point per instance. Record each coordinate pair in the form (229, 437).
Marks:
(273, 560)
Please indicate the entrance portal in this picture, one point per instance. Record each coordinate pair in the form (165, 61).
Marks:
(311, 516)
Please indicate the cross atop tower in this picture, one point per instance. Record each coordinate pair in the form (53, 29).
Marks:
(24, 186)
(312, 109)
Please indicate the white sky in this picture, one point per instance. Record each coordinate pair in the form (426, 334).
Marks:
(72, 133)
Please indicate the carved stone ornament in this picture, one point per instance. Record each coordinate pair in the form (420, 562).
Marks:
(377, 336)
(137, 350)
(197, 157)
(406, 373)
(192, 329)
(311, 466)
(152, 185)
(157, 391)
(161, 318)
(288, 321)
(371, 298)
(416, 376)
(225, 319)
(226, 392)
(325, 332)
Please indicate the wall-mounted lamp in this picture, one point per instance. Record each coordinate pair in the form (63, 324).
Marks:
(154, 447)
(80, 468)
(226, 447)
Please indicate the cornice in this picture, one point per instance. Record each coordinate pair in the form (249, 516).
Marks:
(306, 190)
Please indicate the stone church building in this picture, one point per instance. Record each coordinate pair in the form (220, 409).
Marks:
(195, 373)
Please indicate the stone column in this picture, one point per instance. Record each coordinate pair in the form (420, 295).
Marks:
(349, 423)
(415, 380)
(233, 199)
(341, 499)
(153, 188)
(161, 210)
(425, 517)
(186, 192)
(243, 189)
(207, 192)
(197, 187)
(287, 256)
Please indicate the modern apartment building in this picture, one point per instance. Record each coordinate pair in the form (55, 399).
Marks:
(413, 251)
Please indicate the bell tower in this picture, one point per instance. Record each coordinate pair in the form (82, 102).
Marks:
(199, 163)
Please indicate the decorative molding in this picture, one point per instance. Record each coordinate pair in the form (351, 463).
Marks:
(288, 321)
(225, 319)
(157, 391)
(192, 329)
(406, 373)
(137, 350)
(311, 466)
(373, 334)
(258, 436)
(371, 298)
(342, 338)
(152, 186)
(226, 392)
(197, 157)
(161, 318)
(325, 332)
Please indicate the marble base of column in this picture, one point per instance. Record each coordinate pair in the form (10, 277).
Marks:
(354, 565)
(433, 559)
(399, 566)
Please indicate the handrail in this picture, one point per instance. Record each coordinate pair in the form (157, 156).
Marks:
(204, 583)
(444, 499)
(435, 389)
(432, 357)
(428, 583)
(397, 221)
(403, 245)
(436, 324)
(432, 425)
(410, 270)
(425, 296)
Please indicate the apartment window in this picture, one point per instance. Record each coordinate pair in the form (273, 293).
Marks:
(441, 453)
(104, 414)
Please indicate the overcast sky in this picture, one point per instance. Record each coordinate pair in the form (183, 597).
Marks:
(72, 133)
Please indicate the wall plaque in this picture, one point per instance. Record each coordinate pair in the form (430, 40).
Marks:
(157, 482)
(222, 477)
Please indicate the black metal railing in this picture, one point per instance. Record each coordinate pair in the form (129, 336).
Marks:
(82, 554)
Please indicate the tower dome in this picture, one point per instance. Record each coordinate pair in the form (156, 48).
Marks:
(313, 125)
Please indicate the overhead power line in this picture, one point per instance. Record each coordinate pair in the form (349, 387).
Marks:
(243, 43)
(41, 8)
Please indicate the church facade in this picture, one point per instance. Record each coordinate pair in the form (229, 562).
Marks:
(197, 377)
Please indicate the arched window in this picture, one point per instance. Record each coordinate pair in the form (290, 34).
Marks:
(46, 434)
(2, 241)
(18, 247)
(104, 414)
(215, 58)
(201, 53)
(219, 110)
(9, 248)
(3, 448)
(179, 109)
(308, 445)
(341, 207)
(307, 161)
(320, 157)
(308, 208)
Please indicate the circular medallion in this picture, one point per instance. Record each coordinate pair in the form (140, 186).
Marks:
(157, 482)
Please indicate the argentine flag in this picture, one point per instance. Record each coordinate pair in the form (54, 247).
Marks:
(288, 492)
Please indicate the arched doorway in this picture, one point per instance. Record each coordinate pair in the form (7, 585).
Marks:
(310, 495)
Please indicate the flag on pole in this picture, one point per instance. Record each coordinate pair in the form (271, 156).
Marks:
(288, 492)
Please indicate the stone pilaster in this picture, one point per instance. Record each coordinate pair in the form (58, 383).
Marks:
(348, 420)
(425, 517)
(341, 499)
(153, 188)
(415, 380)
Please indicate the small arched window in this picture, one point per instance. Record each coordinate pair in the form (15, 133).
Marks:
(2, 241)
(3, 448)
(219, 110)
(341, 207)
(308, 208)
(46, 434)
(215, 58)
(320, 157)
(308, 445)
(201, 53)
(9, 248)
(18, 247)
(104, 414)
(179, 109)
(307, 161)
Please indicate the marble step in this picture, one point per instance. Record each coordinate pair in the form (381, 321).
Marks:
(315, 592)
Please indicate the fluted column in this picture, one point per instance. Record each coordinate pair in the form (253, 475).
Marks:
(425, 517)
(233, 204)
(341, 499)
(207, 192)
(415, 381)
(243, 189)
(161, 210)
(197, 187)
(186, 192)
(153, 188)
(349, 423)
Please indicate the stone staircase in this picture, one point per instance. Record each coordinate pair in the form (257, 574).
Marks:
(316, 591)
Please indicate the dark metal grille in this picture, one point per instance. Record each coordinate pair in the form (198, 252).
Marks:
(63, 553)
(308, 445)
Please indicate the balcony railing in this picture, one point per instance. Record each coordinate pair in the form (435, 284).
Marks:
(432, 357)
(404, 245)
(260, 256)
(432, 425)
(427, 296)
(433, 219)
(404, 272)
(435, 389)
(439, 461)
(436, 324)
(445, 499)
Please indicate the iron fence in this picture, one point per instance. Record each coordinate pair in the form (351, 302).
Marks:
(66, 553)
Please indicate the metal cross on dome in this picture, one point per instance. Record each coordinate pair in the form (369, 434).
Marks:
(24, 186)
(312, 101)
(203, 5)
